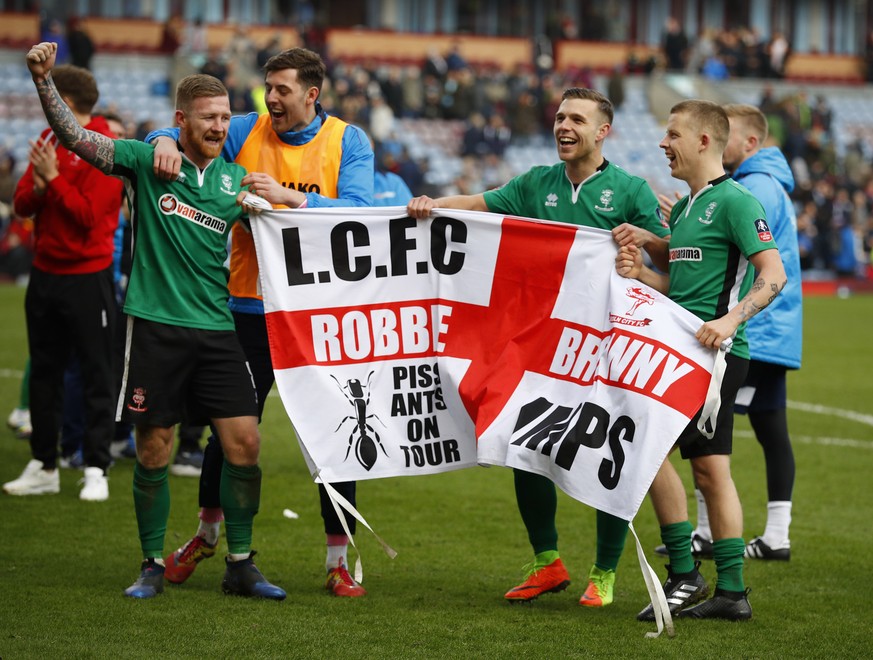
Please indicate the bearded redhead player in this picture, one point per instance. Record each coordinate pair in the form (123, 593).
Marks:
(177, 308)
(297, 156)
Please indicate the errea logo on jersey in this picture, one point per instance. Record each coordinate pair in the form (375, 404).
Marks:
(170, 205)
(551, 199)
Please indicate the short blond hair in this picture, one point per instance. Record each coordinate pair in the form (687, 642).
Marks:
(752, 117)
(707, 117)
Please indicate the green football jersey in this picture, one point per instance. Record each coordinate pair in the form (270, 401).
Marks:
(713, 235)
(180, 232)
(605, 200)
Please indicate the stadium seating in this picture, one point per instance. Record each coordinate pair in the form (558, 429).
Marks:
(128, 85)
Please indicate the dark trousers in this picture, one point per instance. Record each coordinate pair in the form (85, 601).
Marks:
(67, 314)
(252, 332)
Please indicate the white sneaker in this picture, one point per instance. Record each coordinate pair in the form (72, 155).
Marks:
(34, 481)
(96, 485)
(19, 421)
(18, 418)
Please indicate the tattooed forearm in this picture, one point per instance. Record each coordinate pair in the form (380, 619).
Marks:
(749, 307)
(775, 289)
(92, 147)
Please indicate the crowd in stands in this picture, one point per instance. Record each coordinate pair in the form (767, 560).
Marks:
(718, 54)
(488, 109)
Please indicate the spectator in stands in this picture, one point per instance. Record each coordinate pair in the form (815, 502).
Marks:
(70, 303)
(435, 65)
(413, 92)
(714, 68)
(806, 235)
(497, 135)
(171, 35)
(272, 47)
(410, 170)
(391, 85)
(474, 136)
(674, 45)
(242, 55)
(80, 43)
(778, 50)
(846, 241)
(823, 197)
(382, 118)
(51, 29)
(615, 86)
(215, 64)
(454, 60)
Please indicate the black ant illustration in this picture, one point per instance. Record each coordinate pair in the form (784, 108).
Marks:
(363, 436)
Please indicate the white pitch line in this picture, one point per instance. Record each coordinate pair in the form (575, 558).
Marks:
(815, 440)
(836, 412)
(795, 405)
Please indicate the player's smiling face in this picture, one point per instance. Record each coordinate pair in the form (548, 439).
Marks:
(204, 126)
(579, 127)
(680, 145)
(290, 104)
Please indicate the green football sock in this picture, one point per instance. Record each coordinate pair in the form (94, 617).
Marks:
(677, 538)
(151, 499)
(240, 494)
(611, 534)
(728, 556)
(538, 503)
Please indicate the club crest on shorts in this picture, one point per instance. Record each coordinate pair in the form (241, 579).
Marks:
(138, 400)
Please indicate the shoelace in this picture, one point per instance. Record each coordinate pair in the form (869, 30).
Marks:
(344, 576)
(190, 549)
(532, 568)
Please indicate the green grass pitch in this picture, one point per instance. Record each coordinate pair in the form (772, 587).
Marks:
(461, 544)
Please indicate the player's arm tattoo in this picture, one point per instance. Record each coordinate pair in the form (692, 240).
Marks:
(748, 307)
(94, 148)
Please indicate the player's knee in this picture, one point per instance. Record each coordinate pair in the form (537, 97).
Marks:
(243, 448)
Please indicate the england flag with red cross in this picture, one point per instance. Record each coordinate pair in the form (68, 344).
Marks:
(406, 347)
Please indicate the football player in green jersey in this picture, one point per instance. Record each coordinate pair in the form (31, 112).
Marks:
(183, 360)
(583, 189)
(725, 268)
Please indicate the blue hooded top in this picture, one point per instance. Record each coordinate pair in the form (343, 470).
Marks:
(776, 333)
